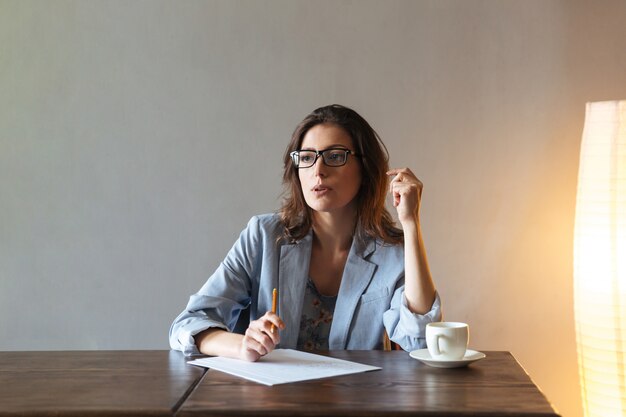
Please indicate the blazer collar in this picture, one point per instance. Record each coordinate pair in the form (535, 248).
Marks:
(365, 248)
(357, 276)
(293, 272)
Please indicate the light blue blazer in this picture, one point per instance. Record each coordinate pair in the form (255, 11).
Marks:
(370, 299)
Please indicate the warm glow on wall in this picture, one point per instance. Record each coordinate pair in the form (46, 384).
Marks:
(600, 260)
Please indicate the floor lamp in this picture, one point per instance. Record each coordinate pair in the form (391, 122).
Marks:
(600, 260)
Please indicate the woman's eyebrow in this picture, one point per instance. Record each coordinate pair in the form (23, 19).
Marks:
(335, 146)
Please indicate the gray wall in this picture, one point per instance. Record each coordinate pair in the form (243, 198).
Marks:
(137, 138)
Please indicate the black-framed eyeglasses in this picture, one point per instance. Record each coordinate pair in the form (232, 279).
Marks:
(332, 157)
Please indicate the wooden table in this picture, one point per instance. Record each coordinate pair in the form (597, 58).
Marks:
(143, 383)
(497, 385)
(95, 383)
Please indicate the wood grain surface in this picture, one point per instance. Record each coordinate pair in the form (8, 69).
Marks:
(94, 383)
(161, 383)
(495, 386)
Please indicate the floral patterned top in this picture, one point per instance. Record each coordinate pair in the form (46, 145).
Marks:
(317, 316)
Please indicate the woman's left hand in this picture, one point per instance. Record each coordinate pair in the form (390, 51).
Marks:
(406, 190)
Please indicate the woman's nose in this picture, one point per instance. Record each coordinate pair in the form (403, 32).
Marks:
(319, 167)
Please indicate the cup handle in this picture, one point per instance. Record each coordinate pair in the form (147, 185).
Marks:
(436, 345)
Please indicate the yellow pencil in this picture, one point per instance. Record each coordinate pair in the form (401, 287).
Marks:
(274, 300)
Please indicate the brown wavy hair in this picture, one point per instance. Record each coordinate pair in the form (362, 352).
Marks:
(373, 219)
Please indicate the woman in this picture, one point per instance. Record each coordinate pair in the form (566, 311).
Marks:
(344, 273)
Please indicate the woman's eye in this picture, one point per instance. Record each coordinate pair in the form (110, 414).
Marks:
(336, 156)
(306, 158)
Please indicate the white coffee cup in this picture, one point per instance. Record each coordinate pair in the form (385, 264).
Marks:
(447, 340)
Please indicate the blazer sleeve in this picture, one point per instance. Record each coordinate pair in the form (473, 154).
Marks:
(406, 328)
(224, 295)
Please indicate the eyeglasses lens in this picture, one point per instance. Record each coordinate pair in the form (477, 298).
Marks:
(335, 158)
(332, 157)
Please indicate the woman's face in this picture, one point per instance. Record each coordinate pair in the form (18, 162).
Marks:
(328, 188)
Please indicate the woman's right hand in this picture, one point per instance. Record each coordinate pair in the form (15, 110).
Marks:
(259, 340)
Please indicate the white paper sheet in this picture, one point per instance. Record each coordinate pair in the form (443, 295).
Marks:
(282, 366)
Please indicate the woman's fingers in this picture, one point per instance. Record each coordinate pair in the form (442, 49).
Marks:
(403, 176)
(251, 350)
(265, 323)
(406, 190)
(259, 339)
(255, 345)
(401, 190)
(272, 318)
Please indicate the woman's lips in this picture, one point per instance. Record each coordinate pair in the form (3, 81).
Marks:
(320, 190)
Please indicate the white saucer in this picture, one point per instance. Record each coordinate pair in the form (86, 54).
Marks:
(423, 355)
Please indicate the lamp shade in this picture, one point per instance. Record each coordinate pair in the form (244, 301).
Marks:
(600, 260)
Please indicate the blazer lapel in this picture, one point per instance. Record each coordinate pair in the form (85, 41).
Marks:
(293, 275)
(357, 275)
